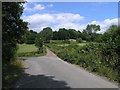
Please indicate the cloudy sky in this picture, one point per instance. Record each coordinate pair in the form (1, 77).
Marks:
(74, 15)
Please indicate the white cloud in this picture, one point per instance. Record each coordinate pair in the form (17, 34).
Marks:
(67, 20)
(68, 17)
(64, 20)
(37, 21)
(36, 7)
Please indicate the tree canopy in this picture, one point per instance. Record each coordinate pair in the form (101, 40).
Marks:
(90, 31)
(46, 34)
(13, 28)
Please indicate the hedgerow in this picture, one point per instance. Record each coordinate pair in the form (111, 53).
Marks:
(95, 57)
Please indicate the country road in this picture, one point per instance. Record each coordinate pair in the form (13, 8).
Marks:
(51, 72)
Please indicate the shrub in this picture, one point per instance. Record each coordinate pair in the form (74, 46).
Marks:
(39, 42)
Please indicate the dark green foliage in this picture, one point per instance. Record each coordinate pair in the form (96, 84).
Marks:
(13, 28)
(84, 35)
(112, 40)
(39, 42)
(30, 37)
(88, 34)
(98, 37)
(46, 35)
(24, 37)
(73, 34)
(23, 40)
(65, 34)
(55, 35)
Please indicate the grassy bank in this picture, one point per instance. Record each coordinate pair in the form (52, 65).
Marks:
(94, 57)
(11, 72)
(25, 50)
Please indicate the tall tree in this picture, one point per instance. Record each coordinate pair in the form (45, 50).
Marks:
(84, 35)
(112, 35)
(63, 34)
(46, 34)
(73, 34)
(92, 28)
(13, 28)
(39, 42)
(91, 31)
(55, 35)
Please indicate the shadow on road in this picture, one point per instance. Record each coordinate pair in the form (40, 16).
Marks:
(40, 81)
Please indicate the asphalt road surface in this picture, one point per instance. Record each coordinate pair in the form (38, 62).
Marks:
(51, 72)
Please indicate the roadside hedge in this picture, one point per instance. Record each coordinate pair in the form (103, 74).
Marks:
(95, 57)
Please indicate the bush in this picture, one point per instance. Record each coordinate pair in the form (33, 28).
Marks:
(38, 42)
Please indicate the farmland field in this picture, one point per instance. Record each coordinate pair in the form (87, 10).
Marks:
(29, 50)
(23, 48)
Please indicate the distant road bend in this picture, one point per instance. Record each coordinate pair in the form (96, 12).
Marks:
(51, 72)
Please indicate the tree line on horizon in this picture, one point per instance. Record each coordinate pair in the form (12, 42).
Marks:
(47, 34)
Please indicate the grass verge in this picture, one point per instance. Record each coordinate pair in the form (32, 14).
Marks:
(11, 72)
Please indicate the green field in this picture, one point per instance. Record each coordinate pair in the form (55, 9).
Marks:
(24, 48)
(29, 50)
